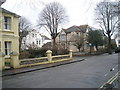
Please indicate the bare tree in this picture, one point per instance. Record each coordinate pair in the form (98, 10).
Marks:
(107, 19)
(24, 26)
(117, 12)
(78, 41)
(51, 17)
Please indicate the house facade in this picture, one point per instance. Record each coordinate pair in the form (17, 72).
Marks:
(66, 38)
(117, 39)
(9, 37)
(34, 38)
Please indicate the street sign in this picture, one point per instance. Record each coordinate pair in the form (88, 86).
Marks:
(90, 44)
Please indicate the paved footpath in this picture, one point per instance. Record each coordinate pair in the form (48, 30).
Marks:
(39, 67)
(93, 72)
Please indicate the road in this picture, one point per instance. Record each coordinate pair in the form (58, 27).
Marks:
(90, 73)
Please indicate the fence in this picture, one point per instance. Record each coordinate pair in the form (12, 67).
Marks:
(45, 60)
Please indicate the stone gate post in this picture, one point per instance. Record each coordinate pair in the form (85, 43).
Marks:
(15, 60)
(2, 61)
(49, 55)
(70, 53)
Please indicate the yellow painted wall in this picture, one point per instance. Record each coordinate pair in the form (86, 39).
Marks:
(11, 35)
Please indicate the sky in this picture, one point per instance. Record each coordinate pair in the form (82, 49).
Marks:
(79, 11)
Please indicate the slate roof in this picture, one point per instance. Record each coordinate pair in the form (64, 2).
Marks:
(46, 38)
(9, 12)
(81, 28)
(72, 29)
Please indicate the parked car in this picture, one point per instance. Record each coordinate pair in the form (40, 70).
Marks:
(117, 50)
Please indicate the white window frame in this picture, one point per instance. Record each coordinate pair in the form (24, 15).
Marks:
(7, 23)
(33, 35)
(37, 42)
(7, 47)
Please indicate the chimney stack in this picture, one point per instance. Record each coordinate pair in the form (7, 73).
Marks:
(1, 2)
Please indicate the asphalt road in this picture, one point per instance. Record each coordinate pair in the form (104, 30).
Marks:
(90, 73)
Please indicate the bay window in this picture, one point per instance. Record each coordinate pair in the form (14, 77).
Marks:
(7, 48)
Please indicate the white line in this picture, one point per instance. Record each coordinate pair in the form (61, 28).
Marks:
(106, 74)
(111, 69)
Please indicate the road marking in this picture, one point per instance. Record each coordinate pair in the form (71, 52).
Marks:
(111, 70)
(106, 74)
(21, 77)
(110, 81)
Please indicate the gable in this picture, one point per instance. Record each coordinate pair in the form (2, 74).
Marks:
(63, 32)
(8, 12)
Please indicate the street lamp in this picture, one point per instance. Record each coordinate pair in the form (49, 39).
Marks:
(90, 44)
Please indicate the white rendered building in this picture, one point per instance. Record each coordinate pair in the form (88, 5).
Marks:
(34, 38)
(117, 39)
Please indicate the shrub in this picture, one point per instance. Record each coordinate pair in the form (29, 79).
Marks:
(41, 52)
(113, 45)
(24, 54)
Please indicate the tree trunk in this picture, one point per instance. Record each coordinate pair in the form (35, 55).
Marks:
(90, 49)
(109, 44)
(54, 47)
(54, 42)
(79, 49)
(96, 46)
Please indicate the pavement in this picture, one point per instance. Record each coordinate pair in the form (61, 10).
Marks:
(10, 72)
(93, 72)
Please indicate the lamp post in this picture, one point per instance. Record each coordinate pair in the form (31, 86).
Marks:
(90, 44)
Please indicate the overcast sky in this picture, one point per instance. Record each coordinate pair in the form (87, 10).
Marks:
(79, 11)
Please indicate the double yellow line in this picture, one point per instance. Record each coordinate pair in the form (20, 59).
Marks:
(110, 81)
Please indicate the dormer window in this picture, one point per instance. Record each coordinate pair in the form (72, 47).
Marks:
(7, 23)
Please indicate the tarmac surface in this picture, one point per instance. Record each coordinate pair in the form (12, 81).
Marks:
(89, 73)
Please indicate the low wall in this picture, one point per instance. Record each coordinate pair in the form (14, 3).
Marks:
(45, 60)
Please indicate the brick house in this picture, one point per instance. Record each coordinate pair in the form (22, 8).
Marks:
(65, 38)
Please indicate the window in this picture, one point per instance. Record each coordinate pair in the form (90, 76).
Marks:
(37, 42)
(7, 24)
(24, 42)
(35, 35)
(33, 43)
(118, 41)
(7, 48)
(32, 35)
(62, 37)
